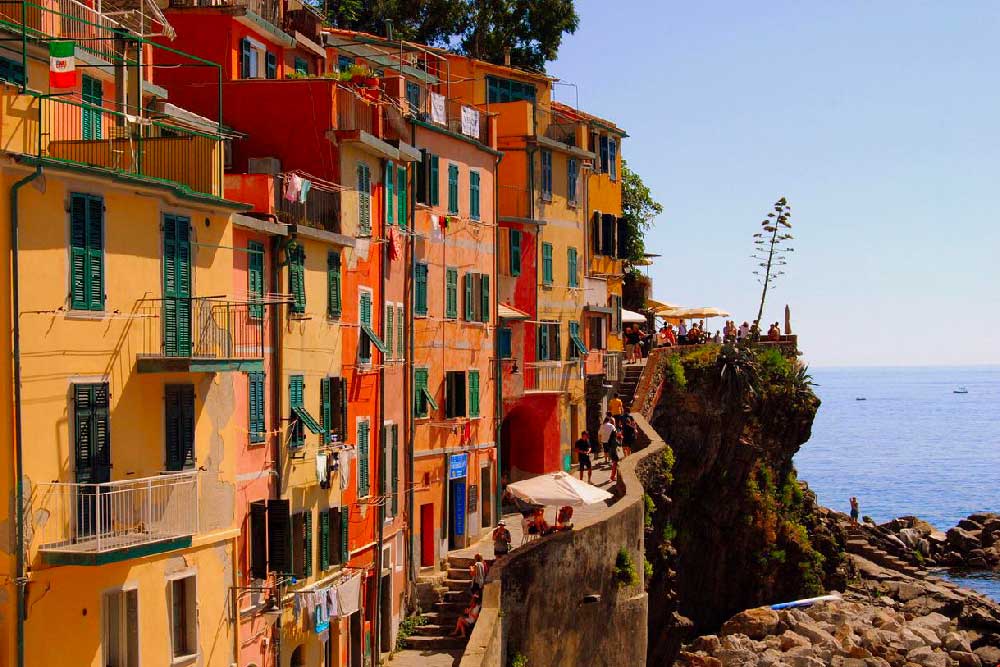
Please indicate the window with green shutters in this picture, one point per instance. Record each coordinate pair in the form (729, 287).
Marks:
(546, 174)
(572, 170)
(389, 182)
(255, 278)
(92, 433)
(255, 396)
(401, 194)
(451, 293)
(296, 257)
(399, 332)
(506, 347)
(179, 426)
(515, 252)
(453, 189)
(394, 503)
(365, 317)
(296, 391)
(474, 195)
(389, 324)
(433, 181)
(307, 543)
(270, 65)
(484, 298)
(469, 287)
(333, 285)
(12, 71)
(573, 278)
(86, 241)
(548, 341)
(420, 391)
(345, 533)
(364, 200)
(92, 95)
(473, 393)
(176, 286)
(363, 456)
(577, 348)
(507, 90)
(324, 540)
(326, 406)
(301, 65)
(612, 159)
(547, 263)
(420, 291)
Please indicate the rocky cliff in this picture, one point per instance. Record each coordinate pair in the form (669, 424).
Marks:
(728, 525)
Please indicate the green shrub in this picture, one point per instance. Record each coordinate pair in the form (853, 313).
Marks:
(519, 660)
(669, 532)
(674, 372)
(648, 567)
(406, 628)
(625, 573)
(650, 507)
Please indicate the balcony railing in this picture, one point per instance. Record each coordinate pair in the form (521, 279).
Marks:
(594, 363)
(354, 113)
(514, 202)
(186, 334)
(562, 131)
(64, 19)
(320, 210)
(87, 523)
(550, 376)
(614, 366)
(269, 10)
(457, 117)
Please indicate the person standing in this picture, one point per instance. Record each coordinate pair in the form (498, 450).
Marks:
(616, 408)
(682, 333)
(606, 435)
(501, 540)
(855, 510)
(632, 340)
(583, 456)
(629, 431)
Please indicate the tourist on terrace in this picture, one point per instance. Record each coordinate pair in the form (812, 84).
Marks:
(717, 338)
(682, 333)
(539, 526)
(743, 331)
(501, 540)
(605, 435)
(617, 409)
(583, 456)
(774, 333)
(468, 618)
(662, 340)
(615, 453)
(478, 571)
(629, 432)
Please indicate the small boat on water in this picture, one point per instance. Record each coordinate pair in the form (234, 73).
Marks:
(860, 398)
(960, 390)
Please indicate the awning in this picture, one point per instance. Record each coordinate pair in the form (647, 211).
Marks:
(307, 419)
(557, 488)
(379, 57)
(509, 313)
(376, 341)
(632, 316)
(659, 305)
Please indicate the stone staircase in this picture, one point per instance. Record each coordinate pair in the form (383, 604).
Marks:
(626, 391)
(450, 598)
(859, 545)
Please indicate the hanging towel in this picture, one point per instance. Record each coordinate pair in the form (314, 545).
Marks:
(345, 467)
(438, 114)
(332, 602)
(466, 433)
(361, 248)
(470, 122)
(349, 595)
(393, 244)
(321, 469)
(304, 191)
(293, 185)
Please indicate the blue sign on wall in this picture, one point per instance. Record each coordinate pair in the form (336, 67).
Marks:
(458, 466)
(458, 505)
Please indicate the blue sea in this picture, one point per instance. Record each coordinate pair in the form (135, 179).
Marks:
(913, 446)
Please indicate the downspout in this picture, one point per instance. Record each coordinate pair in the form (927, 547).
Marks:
(408, 384)
(276, 409)
(498, 390)
(21, 580)
(380, 452)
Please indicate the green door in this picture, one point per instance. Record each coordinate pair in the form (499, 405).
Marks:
(92, 94)
(176, 286)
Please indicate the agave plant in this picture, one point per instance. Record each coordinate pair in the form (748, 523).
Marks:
(737, 367)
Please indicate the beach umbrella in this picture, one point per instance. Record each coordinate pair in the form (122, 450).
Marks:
(557, 488)
(632, 316)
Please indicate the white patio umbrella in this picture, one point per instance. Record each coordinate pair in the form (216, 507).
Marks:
(632, 316)
(557, 488)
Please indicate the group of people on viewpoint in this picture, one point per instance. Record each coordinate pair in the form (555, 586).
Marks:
(638, 342)
(615, 440)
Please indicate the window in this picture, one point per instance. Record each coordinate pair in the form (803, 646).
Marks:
(301, 65)
(546, 174)
(324, 540)
(179, 426)
(183, 617)
(609, 226)
(477, 297)
(295, 255)
(474, 195)
(394, 470)
(615, 302)
(364, 201)
(473, 393)
(333, 407)
(573, 273)
(572, 170)
(258, 539)
(86, 254)
(333, 285)
(433, 183)
(92, 115)
(451, 293)
(548, 341)
(399, 332)
(546, 263)
(427, 179)
(420, 291)
(92, 432)
(596, 331)
(367, 336)
(120, 621)
(454, 394)
(604, 154)
(363, 456)
(453, 189)
(595, 233)
(255, 278)
(255, 409)
(401, 190)
(422, 397)
(344, 63)
(12, 71)
(270, 65)
(389, 181)
(613, 159)
(413, 97)
(504, 334)
(279, 536)
(515, 252)
(389, 330)
(300, 418)
(337, 536)
(506, 90)
(302, 544)
(576, 347)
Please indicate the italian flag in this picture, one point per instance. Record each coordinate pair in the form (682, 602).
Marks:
(62, 65)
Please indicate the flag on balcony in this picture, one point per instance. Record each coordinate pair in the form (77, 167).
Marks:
(62, 64)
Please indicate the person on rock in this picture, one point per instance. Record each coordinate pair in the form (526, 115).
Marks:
(583, 456)
(855, 510)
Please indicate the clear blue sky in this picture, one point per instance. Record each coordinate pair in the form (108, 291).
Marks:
(880, 121)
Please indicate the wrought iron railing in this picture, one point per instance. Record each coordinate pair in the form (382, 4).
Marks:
(201, 328)
(269, 10)
(96, 518)
(65, 19)
(320, 208)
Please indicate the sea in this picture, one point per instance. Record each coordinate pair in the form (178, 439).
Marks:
(904, 443)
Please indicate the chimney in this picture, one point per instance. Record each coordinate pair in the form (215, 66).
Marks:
(506, 56)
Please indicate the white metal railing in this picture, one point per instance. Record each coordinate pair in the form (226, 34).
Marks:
(550, 376)
(96, 518)
(614, 366)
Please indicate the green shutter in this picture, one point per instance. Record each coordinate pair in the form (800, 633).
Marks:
(255, 394)
(307, 543)
(453, 189)
(179, 426)
(296, 390)
(389, 329)
(363, 456)
(389, 181)
(395, 470)
(326, 407)
(255, 278)
(435, 182)
(547, 263)
(473, 393)
(451, 293)
(419, 389)
(345, 525)
(365, 317)
(474, 195)
(401, 193)
(467, 288)
(296, 257)
(515, 252)
(91, 433)
(176, 286)
(571, 267)
(324, 540)
(543, 342)
(364, 201)
(420, 307)
(333, 285)
(86, 252)
(399, 333)
(91, 94)
(484, 306)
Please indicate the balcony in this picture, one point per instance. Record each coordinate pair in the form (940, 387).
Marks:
(269, 10)
(614, 366)
(549, 377)
(320, 210)
(94, 524)
(594, 362)
(200, 335)
(91, 30)
(356, 114)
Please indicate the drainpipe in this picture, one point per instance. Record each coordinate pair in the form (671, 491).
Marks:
(276, 408)
(498, 389)
(380, 453)
(408, 391)
(21, 579)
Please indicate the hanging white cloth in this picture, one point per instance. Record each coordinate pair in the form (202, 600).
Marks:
(438, 113)
(345, 467)
(321, 473)
(470, 122)
(361, 248)
(349, 595)
(333, 602)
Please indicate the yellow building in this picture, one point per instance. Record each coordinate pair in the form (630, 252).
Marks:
(126, 346)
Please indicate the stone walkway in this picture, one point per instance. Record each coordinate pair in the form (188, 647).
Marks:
(410, 658)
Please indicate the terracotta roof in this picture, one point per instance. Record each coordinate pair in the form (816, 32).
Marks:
(576, 114)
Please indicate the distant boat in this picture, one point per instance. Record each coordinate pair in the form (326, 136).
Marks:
(860, 398)
(960, 390)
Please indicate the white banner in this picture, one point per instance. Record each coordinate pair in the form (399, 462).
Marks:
(470, 122)
(438, 113)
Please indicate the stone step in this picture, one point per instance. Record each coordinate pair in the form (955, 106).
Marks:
(450, 607)
(431, 630)
(460, 562)
(443, 618)
(421, 643)
(459, 573)
(462, 595)
(458, 584)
